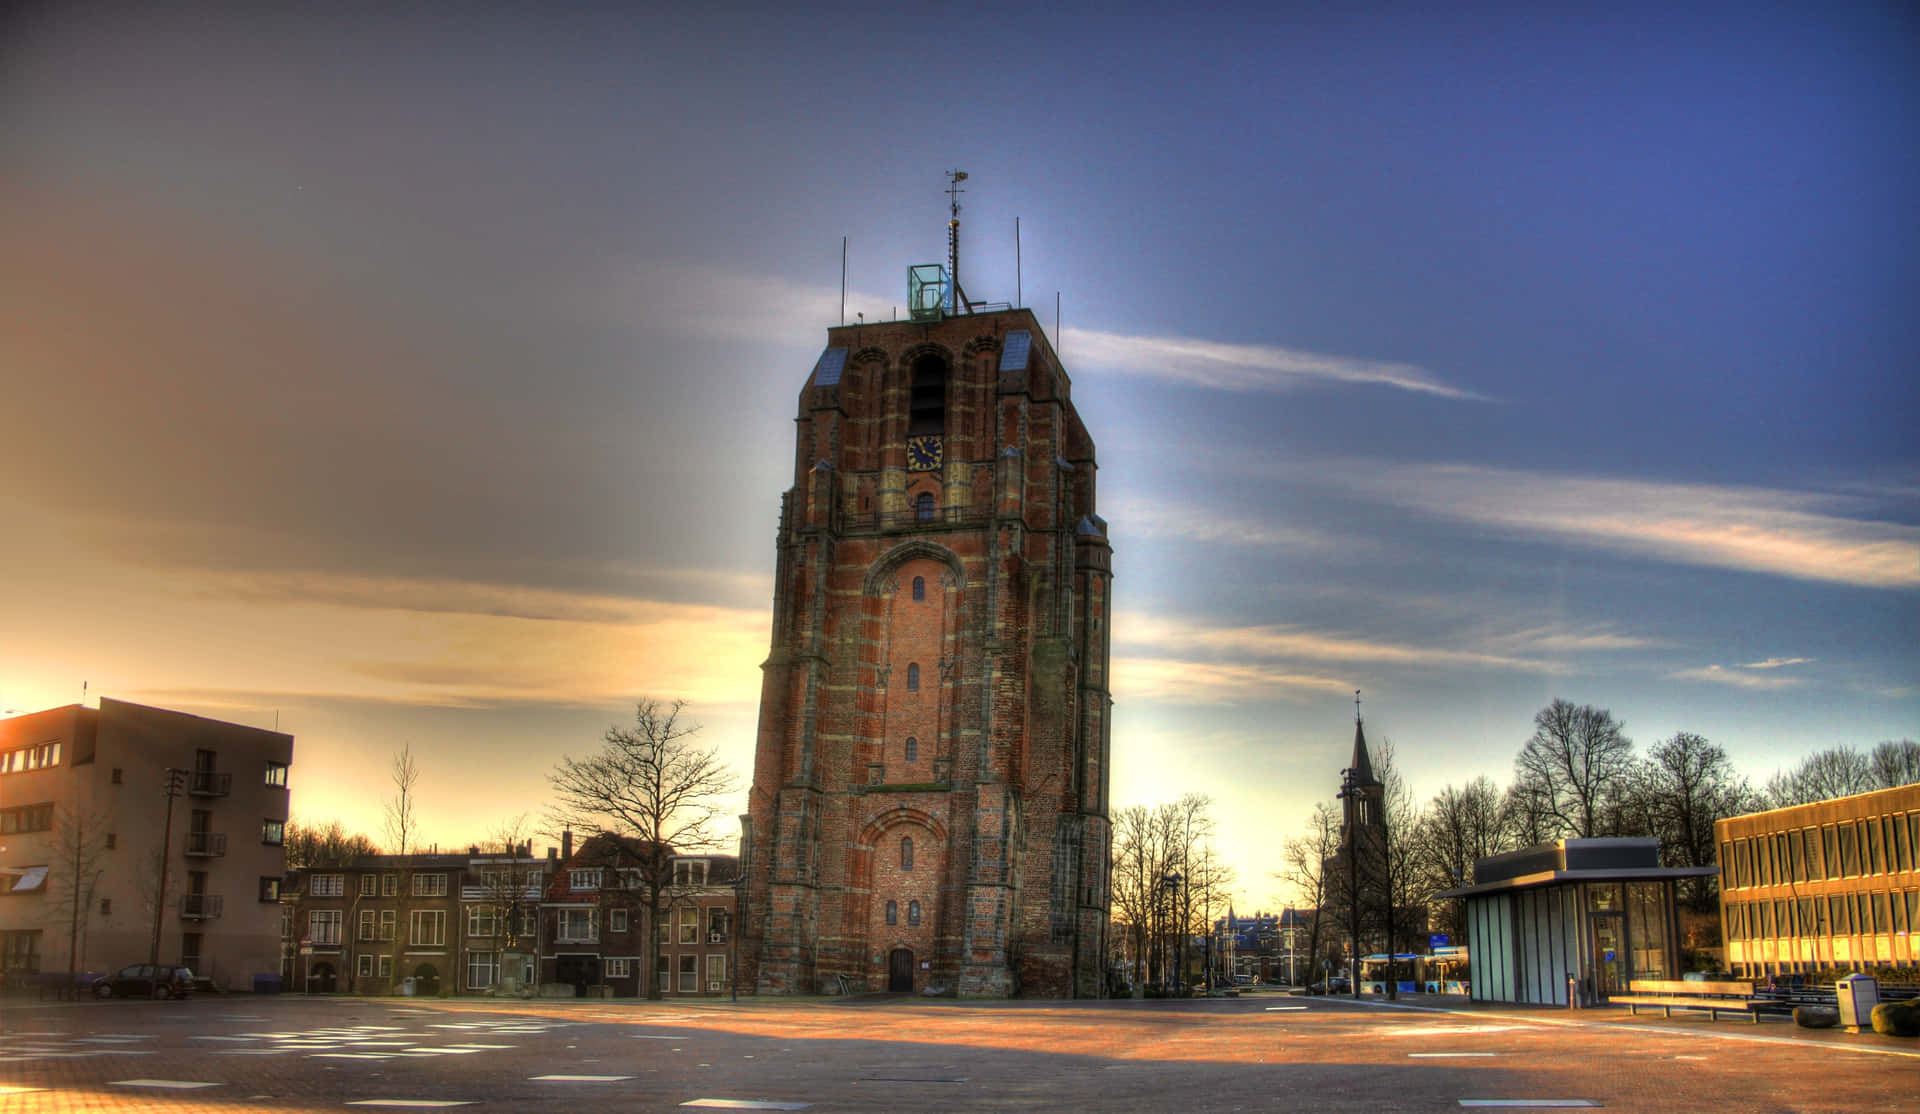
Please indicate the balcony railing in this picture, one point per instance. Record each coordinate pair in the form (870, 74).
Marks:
(201, 907)
(206, 783)
(206, 845)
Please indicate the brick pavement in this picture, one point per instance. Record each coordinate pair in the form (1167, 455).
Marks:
(1254, 1053)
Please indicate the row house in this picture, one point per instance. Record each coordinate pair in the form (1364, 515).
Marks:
(450, 923)
(594, 922)
(573, 923)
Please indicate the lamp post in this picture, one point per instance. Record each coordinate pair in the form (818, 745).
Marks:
(739, 919)
(174, 785)
(1177, 945)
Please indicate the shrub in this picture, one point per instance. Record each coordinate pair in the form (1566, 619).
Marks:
(1897, 1019)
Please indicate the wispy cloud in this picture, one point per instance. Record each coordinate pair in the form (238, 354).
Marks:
(1776, 663)
(1196, 682)
(1802, 535)
(1243, 367)
(1157, 518)
(1295, 644)
(1738, 677)
(708, 299)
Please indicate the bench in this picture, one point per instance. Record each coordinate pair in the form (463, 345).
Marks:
(1734, 997)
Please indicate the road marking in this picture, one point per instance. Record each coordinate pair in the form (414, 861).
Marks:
(746, 1104)
(14, 1089)
(1448, 1030)
(1283, 1009)
(163, 1084)
(450, 1050)
(475, 1047)
(580, 1078)
(415, 1103)
(1529, 1102)
(1446, 1055)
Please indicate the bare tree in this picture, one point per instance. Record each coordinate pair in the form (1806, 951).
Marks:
(1896, 762)
(652, 785)
(1524, 812)
(1402, 893)
(1306, 869)
(509, 893)
(1138, 866)
(1574, 766)
(329, 844)
(402, 823)
(77, 858)
(1689, 784)
(1835, 772)
(1460, 826)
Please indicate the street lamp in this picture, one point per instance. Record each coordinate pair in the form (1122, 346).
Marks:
(1179, 949)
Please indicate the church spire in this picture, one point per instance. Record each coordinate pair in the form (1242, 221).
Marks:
(1362, 765)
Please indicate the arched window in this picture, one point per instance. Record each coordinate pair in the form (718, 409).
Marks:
(919, 588)
(913, 912)
(923, 506)
(893, 912)
(913, 676)
(913, 749)
(906, 853)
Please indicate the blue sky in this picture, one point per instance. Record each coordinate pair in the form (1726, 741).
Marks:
(426, 376)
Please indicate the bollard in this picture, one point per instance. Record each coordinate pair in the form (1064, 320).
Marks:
(1573, 992)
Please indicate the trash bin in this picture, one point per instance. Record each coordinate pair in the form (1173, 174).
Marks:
(406, 986)
(266, 984)
(1857, 995)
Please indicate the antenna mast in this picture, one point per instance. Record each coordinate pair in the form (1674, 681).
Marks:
(959, 297)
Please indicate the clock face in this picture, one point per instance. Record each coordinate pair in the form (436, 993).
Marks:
(923, 453)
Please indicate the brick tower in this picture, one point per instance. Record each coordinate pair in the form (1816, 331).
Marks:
(929, 805)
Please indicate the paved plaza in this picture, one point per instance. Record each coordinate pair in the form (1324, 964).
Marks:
(1255, 1053)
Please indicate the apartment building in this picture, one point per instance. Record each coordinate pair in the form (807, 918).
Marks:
(129, 832)
(595, 920)
(1831, 884)
(453, 924)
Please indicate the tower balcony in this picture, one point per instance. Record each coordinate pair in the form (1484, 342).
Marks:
(207, 783)
(205, 845)
(201, 907)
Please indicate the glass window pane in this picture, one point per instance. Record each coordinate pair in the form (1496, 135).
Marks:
(1647, 929)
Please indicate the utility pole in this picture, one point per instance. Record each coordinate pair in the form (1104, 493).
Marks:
(174, 785)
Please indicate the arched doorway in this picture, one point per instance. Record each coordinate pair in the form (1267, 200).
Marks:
(322, 979)
(900, 971)
(426, 980)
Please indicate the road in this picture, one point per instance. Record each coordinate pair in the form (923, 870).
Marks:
(1255, 1053)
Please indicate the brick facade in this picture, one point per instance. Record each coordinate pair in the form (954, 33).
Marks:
(938, 677)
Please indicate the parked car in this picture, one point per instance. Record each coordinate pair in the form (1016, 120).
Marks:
(1335, 985)
(144, 980)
